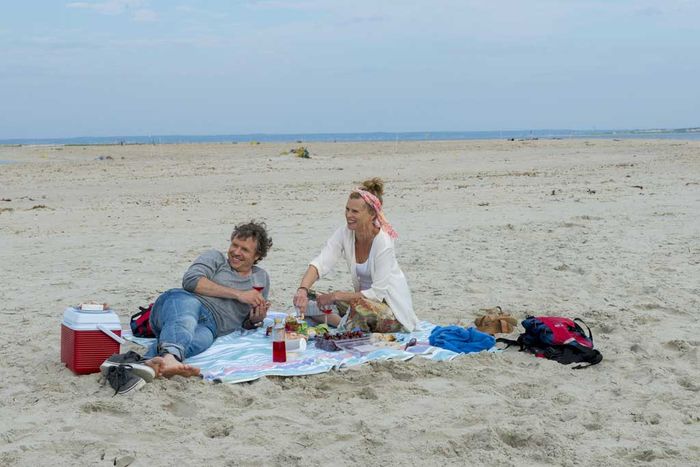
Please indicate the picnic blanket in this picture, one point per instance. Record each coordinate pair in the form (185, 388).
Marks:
(246, 356)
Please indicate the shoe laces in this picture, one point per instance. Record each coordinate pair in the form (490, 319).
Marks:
(133, 356)
(118, 376)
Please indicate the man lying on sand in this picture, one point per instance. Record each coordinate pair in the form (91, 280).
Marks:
(221, 293)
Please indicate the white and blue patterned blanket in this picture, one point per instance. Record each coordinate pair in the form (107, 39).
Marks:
(247, 356)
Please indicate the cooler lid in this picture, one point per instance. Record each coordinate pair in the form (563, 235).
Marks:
(81, 320)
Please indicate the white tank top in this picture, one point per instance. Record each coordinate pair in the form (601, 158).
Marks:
(362, 271)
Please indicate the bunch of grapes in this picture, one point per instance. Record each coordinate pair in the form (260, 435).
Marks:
(328, 340)
(343, 335)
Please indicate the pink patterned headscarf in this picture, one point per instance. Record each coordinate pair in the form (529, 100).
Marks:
(381, 220)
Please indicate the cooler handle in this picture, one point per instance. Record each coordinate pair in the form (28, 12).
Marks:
(102, 328)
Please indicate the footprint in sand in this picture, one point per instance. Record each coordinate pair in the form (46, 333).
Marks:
(102, 406)
(687, 383)
(217, 431)
(181, 408)
(563, 398)
(680, 345)
(595, 423)
(524, 390)
(646, 455)
(367, 393)
(516, 438)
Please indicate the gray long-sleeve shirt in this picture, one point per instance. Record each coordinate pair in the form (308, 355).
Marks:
(228, 313)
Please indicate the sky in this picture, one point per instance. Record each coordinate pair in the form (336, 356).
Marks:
(165, 67)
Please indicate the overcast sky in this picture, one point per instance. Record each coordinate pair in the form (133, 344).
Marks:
(146, 67)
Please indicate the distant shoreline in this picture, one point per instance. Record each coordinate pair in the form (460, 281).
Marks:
(680, 134)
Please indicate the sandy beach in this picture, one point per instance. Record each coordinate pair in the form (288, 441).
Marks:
(604, 230)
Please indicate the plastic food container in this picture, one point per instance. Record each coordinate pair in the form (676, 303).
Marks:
(296, 345)
(334, 345)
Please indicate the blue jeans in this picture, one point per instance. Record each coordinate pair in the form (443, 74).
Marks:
(182, 325)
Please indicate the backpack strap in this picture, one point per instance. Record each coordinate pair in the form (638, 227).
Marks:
(510, 342)
(590, 334)
(140, 313)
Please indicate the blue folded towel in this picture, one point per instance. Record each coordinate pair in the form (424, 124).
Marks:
(461, 340)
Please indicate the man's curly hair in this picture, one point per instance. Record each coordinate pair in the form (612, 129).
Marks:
(257, 231)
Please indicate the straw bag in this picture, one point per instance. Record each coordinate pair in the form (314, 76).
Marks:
(495, 321)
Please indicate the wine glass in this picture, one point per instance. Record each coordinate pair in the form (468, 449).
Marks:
(258, 285)
(326, 311)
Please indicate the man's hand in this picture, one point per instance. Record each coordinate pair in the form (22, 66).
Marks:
(212, 289)
(301, 300)
(258, 313)
(251, 297)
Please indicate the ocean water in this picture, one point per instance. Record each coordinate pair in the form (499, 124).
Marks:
(681, 134)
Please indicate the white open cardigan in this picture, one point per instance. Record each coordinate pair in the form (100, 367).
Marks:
(388, 281)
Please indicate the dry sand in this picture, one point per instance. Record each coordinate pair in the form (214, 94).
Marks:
(603, 230)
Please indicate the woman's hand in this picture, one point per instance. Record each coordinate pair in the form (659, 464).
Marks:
(301, 300)
(325, 300)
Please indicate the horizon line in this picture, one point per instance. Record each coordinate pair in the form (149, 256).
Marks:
(246, 137)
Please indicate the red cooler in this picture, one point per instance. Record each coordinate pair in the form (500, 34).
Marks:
(86, 340)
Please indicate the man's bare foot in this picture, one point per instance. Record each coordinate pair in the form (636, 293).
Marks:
(167, 366)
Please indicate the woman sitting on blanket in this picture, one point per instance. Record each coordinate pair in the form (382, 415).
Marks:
(381, 300)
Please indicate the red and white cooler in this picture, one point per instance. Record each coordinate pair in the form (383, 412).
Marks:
(88, 338)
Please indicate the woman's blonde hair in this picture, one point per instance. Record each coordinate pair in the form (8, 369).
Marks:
(373, 185)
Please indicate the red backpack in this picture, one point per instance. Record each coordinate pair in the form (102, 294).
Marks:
(140, 322)
(559, 339)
